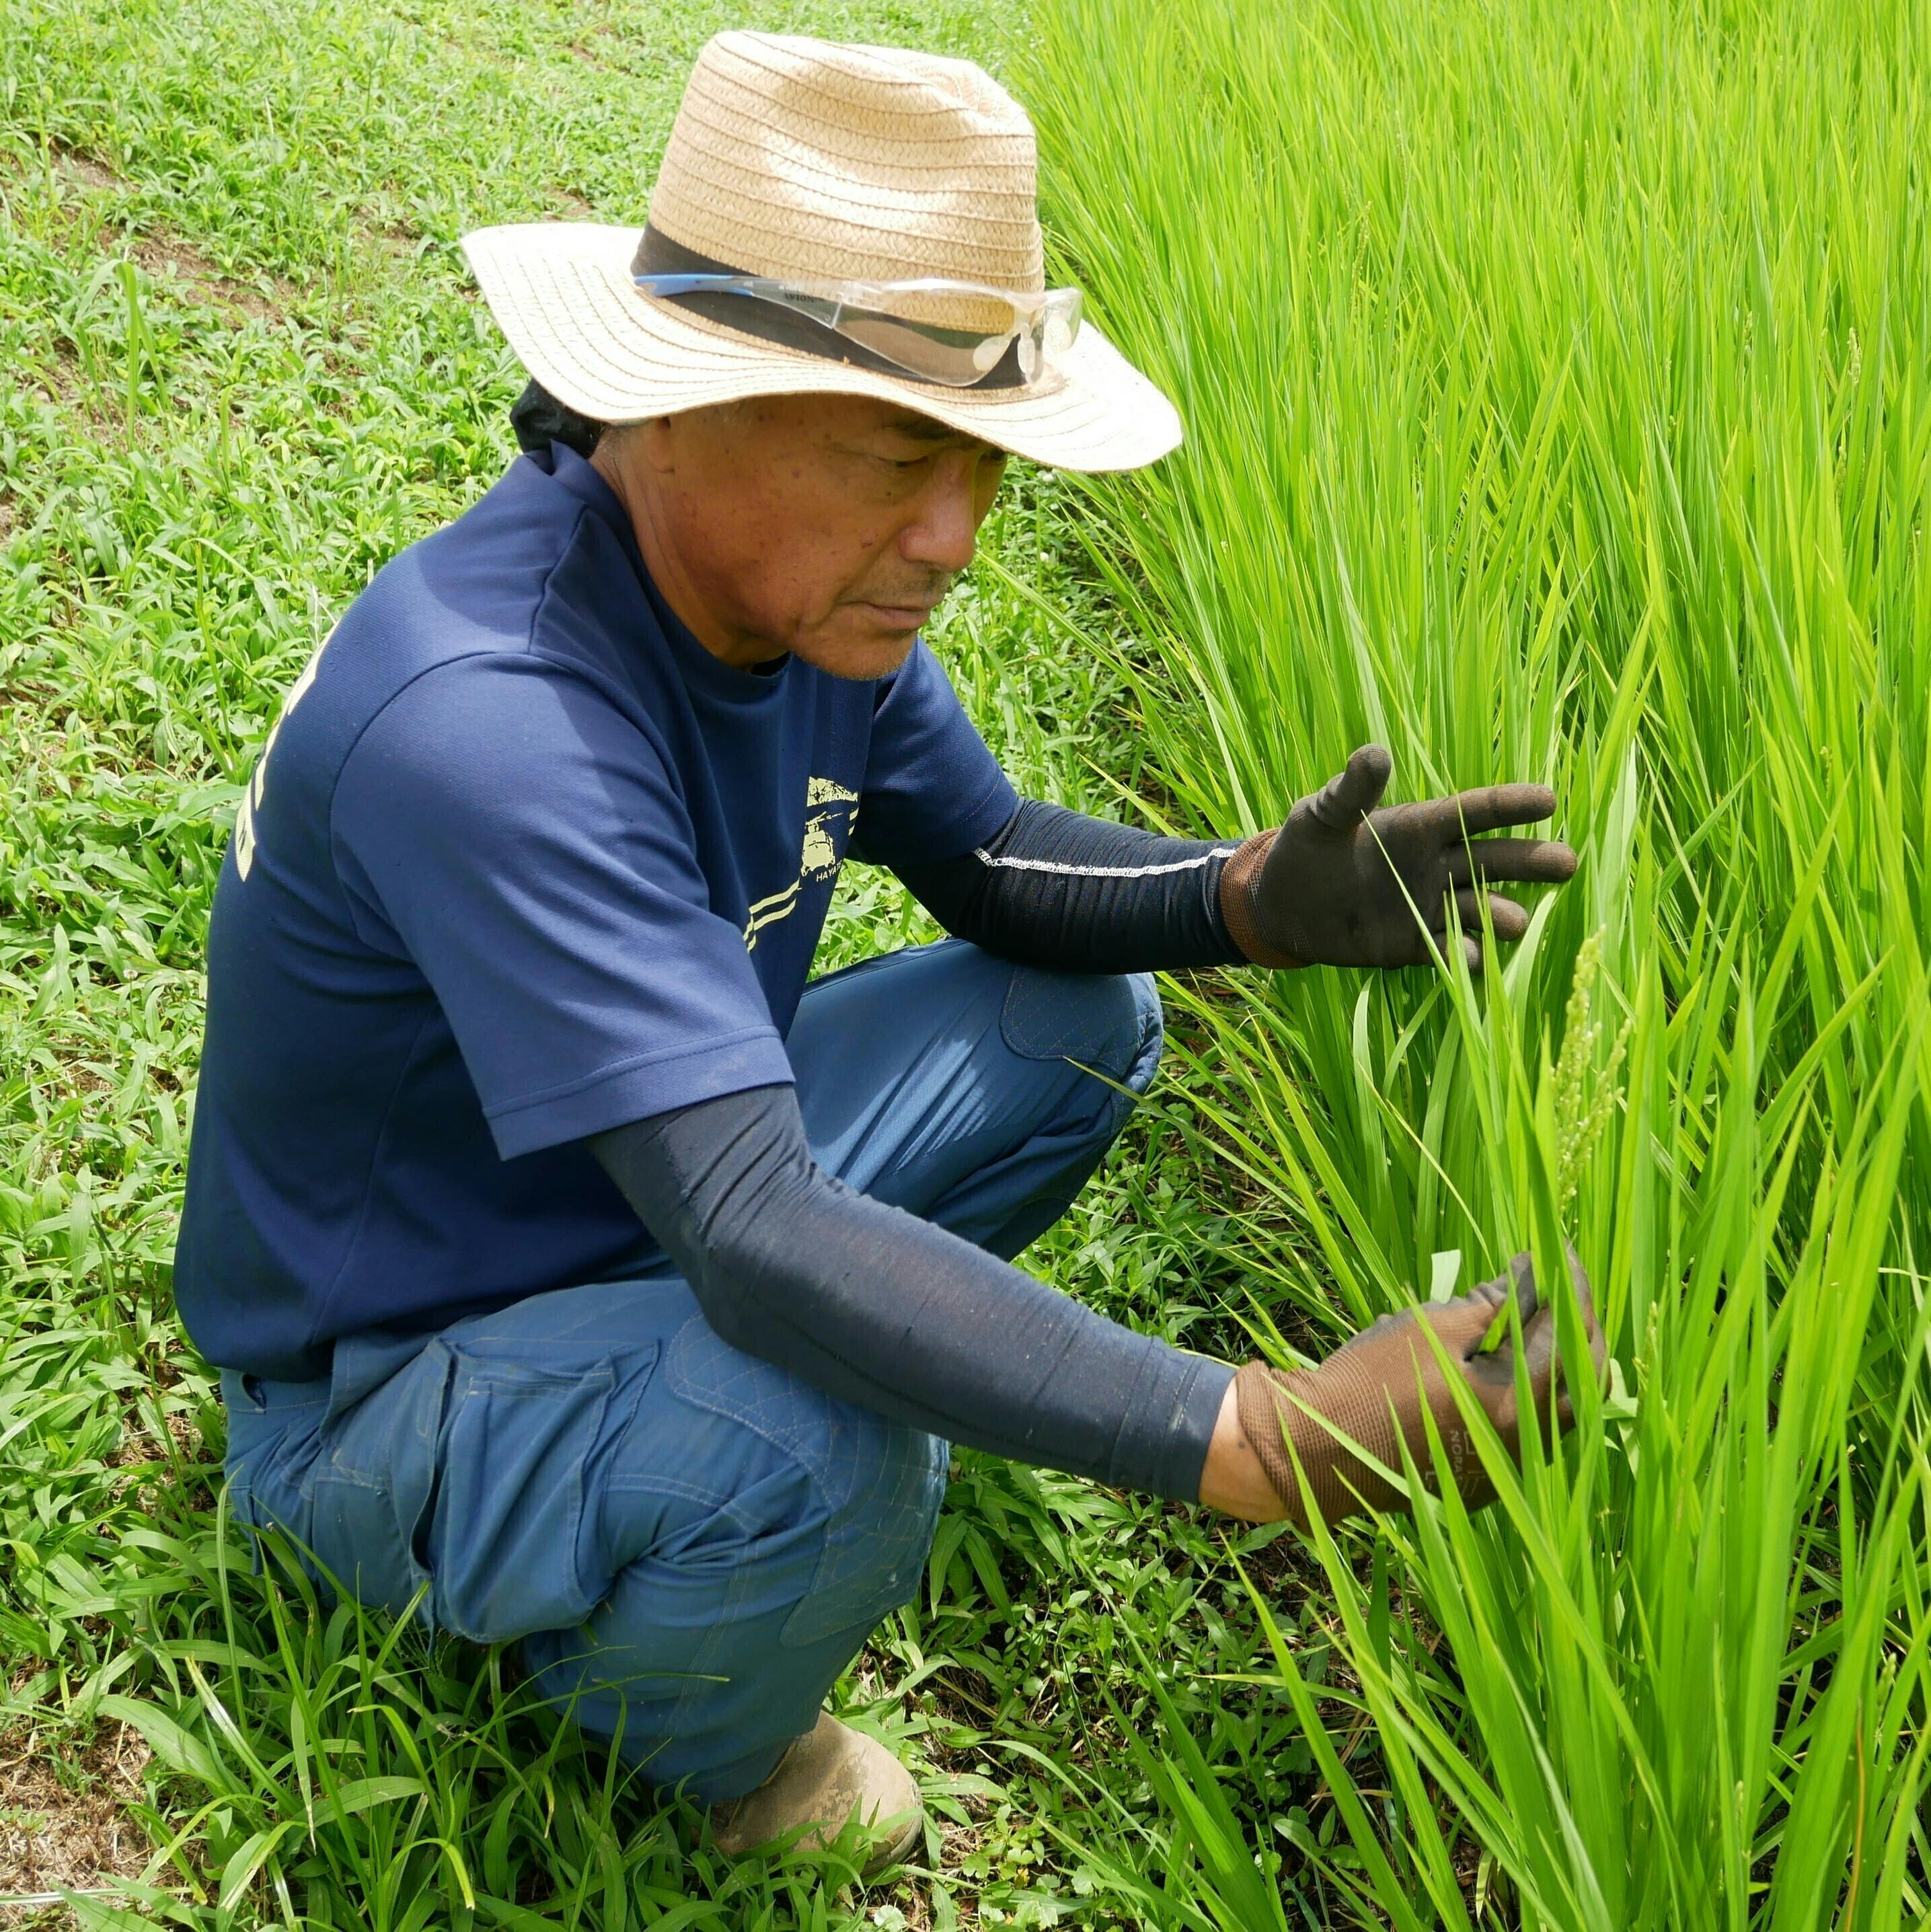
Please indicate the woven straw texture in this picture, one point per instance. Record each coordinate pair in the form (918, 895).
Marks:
(806, 158)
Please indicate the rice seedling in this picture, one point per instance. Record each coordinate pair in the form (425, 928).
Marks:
(1558, 386)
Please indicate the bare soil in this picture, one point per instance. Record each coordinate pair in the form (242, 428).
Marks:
(64, 1821)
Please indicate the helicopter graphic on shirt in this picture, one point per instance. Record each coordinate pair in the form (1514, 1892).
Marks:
(830, 811)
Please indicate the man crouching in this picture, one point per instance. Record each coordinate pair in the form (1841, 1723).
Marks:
(571, 1257)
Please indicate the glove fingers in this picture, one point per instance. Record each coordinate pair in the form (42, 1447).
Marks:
(1540, 1338)
(1532, 862)
(1489, 808)
(1599, 1345)
(1461, 1323)
(1346, 798)
(1489, 1294)
(1565, 1410)
(1510, 920)
(1521, 1278)
(1450, 926)
(1484, 1301)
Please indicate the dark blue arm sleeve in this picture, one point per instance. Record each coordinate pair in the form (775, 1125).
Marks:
(873, 1305)
(1054, 888)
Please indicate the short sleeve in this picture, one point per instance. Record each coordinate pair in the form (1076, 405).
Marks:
(932, 788)
(508, 829)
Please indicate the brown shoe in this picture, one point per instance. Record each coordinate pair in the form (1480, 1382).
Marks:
(830, 1776)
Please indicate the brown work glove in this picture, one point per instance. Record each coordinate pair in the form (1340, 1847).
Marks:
(1374, 1388)
(1332, 887)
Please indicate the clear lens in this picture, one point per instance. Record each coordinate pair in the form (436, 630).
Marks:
(920, 348)
(1066, 308)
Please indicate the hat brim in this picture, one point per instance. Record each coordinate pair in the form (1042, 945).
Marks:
(561, 292)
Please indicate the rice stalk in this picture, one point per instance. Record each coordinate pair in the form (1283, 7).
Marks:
(1558, 391)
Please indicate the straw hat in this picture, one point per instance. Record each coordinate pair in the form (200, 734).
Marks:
(809, 159)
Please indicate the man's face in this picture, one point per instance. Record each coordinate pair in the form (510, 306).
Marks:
(829, 526)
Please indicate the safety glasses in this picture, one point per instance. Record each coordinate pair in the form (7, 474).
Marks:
(892, 320)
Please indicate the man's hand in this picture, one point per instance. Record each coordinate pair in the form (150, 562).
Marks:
(1341, 883)
(1374, 1390)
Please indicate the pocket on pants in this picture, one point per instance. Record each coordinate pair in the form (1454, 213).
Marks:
(362, 1534)
(505, 1540)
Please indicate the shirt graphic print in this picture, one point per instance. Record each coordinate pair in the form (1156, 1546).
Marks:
(831, 810)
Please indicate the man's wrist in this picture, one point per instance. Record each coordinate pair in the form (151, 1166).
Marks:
(1232, 1481)
(1238, 878)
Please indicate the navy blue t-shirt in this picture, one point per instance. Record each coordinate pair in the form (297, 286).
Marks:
(521, 862)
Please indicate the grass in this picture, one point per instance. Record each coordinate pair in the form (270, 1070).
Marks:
(1557, 386)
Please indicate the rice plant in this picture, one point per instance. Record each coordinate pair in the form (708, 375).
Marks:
(1558, 391)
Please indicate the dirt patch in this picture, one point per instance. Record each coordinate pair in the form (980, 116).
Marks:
(64, 1814)
(166, 257)
(396, 239)
(59, 380)
(161, 1462)
(79, 165)
(138, 1448)
(172, 261)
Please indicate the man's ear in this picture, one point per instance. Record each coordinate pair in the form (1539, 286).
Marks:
(657, 441)
(652, 441)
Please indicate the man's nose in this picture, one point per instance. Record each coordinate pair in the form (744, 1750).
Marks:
(945, 520)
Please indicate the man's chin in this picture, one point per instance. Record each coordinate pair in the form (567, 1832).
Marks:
(861, 648)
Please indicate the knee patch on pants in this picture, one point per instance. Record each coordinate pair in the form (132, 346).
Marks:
(875, 1486)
